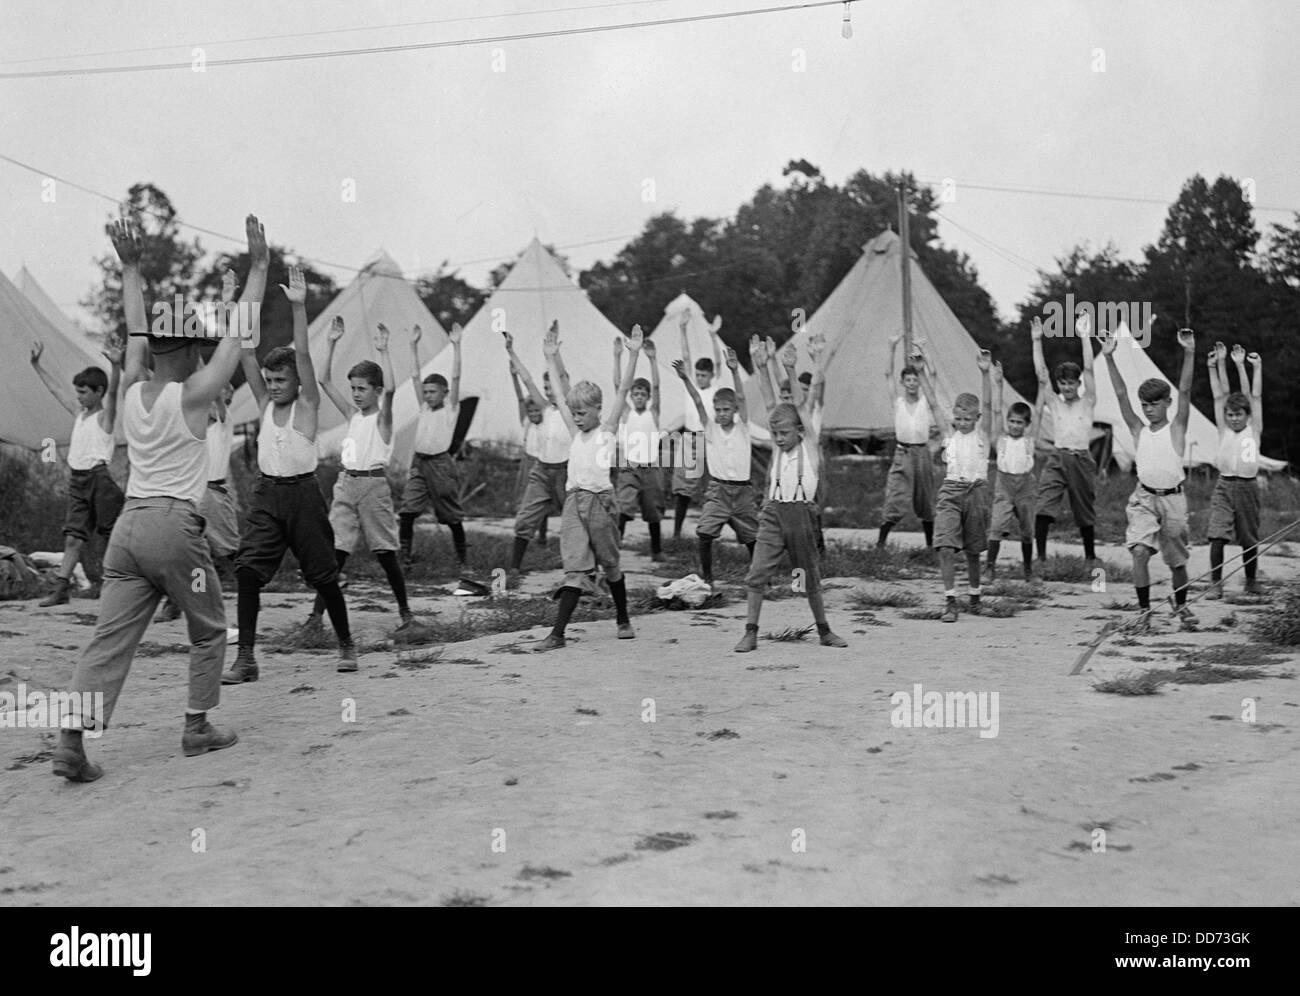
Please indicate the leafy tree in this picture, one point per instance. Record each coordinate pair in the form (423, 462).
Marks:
(449, 298)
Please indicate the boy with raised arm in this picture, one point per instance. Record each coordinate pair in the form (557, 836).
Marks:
(434, 481)
(363, 501)
(1013, 495)
(910, 483)
(1157, 510)
(544, 492)
(961, 510)
(589, 528)
(1234, 505)
(94, 499)
(530, 424)
(730, 498)
(157, 546)
(639, 481)
(286, 509)
(1070, 470)
(688, 474)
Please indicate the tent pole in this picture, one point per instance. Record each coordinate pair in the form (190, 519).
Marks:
(906, 256)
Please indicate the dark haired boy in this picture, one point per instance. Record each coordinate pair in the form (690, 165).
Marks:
(639, 482)
(286, 508)
(434, 481)
(689, 468)
(910, 484)
(1070, 471)
(1013, 494)
(1157, 510)
(363, 501)
(94, 499)
(1234, 505)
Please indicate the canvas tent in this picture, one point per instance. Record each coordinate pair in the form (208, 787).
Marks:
(35, 293)
(667, 338)
(1134, 363)
(534, 293)
(858, 319)
(379, 293)
(29, 415)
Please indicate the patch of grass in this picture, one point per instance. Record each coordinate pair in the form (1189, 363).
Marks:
(869, 619)
(149, 649)
(462, 898)
(1141, 683)
(1211, 674)
(1001, 608)
(417, 660)
(932, 614)
(665, 841)
(895, 598)
(1115, 605)
(1020, 591)
(789, 634)
(1236, 655)
(1280, 622)
(1077, 570)
(529, 873)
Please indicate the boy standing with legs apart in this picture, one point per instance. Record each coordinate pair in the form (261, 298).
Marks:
(157, 545)
(961, 512)
(363, 501)
(688, 474)
(434, 480)
(589, 528)
(730, 498)
(547, 481)
(1234, 506)
(910, 484)
(1013, 495)
(640, 483)
(1070, 469)
(286, 509)
(1157, 510)
(530, 423)
(94, 499)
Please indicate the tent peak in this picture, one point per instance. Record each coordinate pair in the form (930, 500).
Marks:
(383, 265)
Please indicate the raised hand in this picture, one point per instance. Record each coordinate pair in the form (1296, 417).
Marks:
(618, 345)
(257, 250)
(551, 341)
(455, 333)
(679, 367)
(1187, 339)
(997, 372)
(757, 351)
(984, 360)
(789, 355)
(1036, 329)
(772, 354)
(729, 357)
(229, 284)
(381, 337)
(128, 240)
(638, 339)
(415, 335)
(114, 355)
(716, 325)
(683, 320)
(1238, 353)
(648, 347)
(1220, 351)
(816, 346)
(1108, 344)
(1082, 325)
(510, 341)
(37, 349)
(1254, 358)
(337, 329)
(296, 292)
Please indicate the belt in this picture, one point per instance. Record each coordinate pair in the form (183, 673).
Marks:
(1069, 449)
(554, 466)
(373, 472)
(433, 456)
(218, 486)
(737, 484)
(288, 480)
(965, 480)
(1229, 477)
(86, 473)
(1162, 491)
(908, 446)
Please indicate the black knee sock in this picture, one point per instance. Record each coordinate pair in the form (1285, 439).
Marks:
(885, 527)
(683, 502)
(250, 601)
(656, 538)
(517, 560)
(1089, 542)
(750, 547)
(994, 547)
(619, 590)
(1027, 555)
(458, 541)
(927, 525)
(1251, 564)
(541, 533)
(396, 580)
(1216, 559)
(568, 602)
(706, 556)
(1042, 525)
(337, 609)
(1144, 597)
(406, 531)
(623, 520)
(1180, 595)
(318, 608)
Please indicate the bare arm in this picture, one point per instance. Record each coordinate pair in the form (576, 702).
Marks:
(453, 393)
(620, 400)
(128, 240)
(716, 341)
(618, 361)
(1040, 364)
(204, 386)
(1121, 389)
(986, 392)
(758, 353)
(52, 385)
(327, 375)
(1257, 394)
(551, 349)
(789, 359)
(1218, 389)
(517, 366)
(1239, 361)
(309, 389)
(390, 384)
(1178, 430)
(562, 385)
(742, 410)
(999, 413)
(648, 347)
(1083, 327)
(108, 417)
(894, 340)
(940, 417)
(416, 382)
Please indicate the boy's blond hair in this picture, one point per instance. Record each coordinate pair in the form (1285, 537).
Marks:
(786, 414)
(584, 394)
(966, 402)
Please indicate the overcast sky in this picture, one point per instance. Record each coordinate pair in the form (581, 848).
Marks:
(453, 160)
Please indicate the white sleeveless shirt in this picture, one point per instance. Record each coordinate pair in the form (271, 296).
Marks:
(967, 456)
(1015, 456)
(221, 436)
(728, 454)
(167, 459)
(364, 448)
(912, 421)
(283, 451)
(1159, 465)
(640, 437)
(590, 454)
(90, 444)
(1071, 423)
(554, 442)
(1238, 453)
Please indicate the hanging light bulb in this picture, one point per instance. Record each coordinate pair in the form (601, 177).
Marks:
(846, 29)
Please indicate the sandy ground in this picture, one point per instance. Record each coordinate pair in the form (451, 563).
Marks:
(493, 776)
